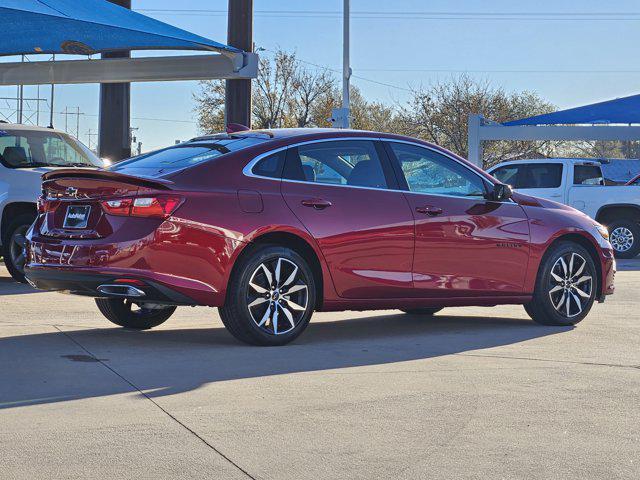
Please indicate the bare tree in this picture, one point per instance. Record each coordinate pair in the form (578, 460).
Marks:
(308, 89)
(440, 114)
(210, 106)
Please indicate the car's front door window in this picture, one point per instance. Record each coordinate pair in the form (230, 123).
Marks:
(430, 172)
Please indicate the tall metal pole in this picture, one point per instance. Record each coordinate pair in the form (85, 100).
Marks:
(20, 99)
(346, 67)
(115, 111)
(239, 35)
(53, 92)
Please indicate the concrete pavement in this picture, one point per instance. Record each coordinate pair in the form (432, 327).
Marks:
(471, 393)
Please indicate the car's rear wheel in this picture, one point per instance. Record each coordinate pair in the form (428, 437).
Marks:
(624, 236)
(566, 286)
(135, 315)
(13, 246)
(422, 311)
(270, 298)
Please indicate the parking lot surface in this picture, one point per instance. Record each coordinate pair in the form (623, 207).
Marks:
(470, 393)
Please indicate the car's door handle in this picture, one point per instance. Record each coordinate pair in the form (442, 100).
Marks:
(429, 210)
(316, 203)
(557, 195)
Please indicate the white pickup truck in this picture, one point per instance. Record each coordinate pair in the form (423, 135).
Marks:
(27, 152)
(580, 184)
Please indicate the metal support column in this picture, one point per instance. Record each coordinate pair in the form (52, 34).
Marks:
(115, 112)
(239, 35)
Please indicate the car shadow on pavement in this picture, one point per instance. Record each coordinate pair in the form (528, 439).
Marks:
(74, 364)
(8, 286)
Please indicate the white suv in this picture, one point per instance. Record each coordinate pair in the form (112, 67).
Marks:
(580, 184)
(26, 152)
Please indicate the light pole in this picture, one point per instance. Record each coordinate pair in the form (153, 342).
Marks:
(346, 68)
(340, 116)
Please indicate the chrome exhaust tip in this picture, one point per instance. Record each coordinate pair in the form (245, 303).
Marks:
(120, 291)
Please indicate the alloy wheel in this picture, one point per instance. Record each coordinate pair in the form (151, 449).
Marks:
(621, 239)
(277, 296)
(570, 284)
(17, 247)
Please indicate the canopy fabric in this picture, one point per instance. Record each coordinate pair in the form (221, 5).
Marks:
(621, 110)
(87, 27)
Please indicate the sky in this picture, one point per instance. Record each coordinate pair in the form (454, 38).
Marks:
(570, 52)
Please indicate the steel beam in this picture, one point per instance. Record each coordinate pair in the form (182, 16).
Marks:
(124, 70)
(479, 130)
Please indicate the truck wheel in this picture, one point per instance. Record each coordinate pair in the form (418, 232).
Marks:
(13, 246)
(624, 236)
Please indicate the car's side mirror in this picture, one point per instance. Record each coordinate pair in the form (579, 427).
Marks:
(500, 192)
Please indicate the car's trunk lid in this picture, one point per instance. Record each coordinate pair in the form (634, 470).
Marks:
(72, 200)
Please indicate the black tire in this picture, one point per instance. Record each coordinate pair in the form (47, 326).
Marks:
(428, 311)
(550, 305)
(259, 324)
(122, 312)
(625, 238)
(13, 260)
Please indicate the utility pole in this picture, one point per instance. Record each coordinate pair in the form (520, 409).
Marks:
(239, 35)
(115, 111)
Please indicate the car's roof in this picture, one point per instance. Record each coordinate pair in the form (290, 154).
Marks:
(282, 133)
(29, 128)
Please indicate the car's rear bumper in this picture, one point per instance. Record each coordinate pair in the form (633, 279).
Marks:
(156, 288)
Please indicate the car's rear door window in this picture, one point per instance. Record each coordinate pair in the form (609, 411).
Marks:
(354, 163)
(587, 175)
(270, 166)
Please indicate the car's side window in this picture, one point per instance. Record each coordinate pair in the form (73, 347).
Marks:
(587, 175)
(342, 162)
(530, 175)
(270, 166)
(427, 171)
(508, 174)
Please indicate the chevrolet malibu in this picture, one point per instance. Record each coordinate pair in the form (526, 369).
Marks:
(270, 226)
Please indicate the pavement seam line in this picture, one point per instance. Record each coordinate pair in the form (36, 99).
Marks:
(195, 434)
(573, 362)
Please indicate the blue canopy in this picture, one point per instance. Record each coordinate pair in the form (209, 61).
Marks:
(87, 27)
(620, 110)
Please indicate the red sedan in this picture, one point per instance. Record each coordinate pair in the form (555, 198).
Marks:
(269, 226)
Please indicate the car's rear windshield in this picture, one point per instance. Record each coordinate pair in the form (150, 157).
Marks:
(162, 162)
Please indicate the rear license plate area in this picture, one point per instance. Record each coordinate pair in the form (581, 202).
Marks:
(77, 216)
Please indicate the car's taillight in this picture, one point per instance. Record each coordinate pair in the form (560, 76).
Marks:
(45, 206)
(120, 206)
(157, 206)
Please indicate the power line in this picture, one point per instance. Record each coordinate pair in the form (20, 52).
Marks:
(335, 70)
(414, 15)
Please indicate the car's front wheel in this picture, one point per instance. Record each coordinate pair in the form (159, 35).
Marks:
(137, 316)
(271, 296)
(566, 286)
